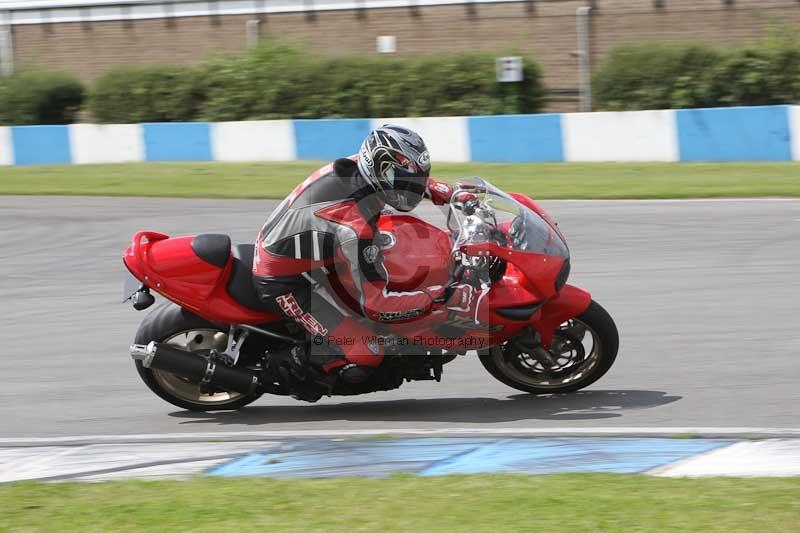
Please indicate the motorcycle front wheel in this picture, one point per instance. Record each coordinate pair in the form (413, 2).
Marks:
(583, 350)
(173, 325)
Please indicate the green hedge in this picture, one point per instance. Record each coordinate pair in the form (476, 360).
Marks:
(671, 76)
(278, 81)
(40, 97)
(147, 94)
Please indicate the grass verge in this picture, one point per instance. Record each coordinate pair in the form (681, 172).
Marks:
(570, 502)
(276, 180)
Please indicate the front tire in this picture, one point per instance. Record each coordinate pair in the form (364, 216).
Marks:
(584, 348)
(173, 325)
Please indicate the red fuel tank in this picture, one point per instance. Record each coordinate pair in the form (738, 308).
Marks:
(416, 253)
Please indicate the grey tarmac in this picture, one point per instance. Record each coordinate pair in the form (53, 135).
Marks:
(705, 294)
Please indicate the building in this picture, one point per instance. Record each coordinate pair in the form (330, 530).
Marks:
(88, 37)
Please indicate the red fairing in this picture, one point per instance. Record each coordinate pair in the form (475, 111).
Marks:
(539, 270)
(417, 254)
(570, 302)
(170, 267)
(511, 291)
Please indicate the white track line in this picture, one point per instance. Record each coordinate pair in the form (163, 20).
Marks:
(776, 457)
(233, 436)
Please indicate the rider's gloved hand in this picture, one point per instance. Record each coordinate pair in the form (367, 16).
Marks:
(455, 298)
(436, 293)
(439, 192)
(461, 297)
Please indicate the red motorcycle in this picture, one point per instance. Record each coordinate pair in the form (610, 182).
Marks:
(217, 347)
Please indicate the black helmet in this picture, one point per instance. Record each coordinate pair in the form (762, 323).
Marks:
(396, 163)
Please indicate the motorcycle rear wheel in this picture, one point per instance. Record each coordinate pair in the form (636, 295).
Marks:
(171, 324)
(584, 348)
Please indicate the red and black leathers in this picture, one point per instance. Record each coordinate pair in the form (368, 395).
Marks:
(320, 252)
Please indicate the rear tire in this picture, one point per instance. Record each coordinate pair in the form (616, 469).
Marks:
(596, 361)
(168, 323)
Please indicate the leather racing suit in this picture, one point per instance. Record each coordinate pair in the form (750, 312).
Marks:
(319, 253)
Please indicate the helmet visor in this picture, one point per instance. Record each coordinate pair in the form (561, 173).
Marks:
(407, 191)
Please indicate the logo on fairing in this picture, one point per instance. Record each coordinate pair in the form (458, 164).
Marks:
(370, 253)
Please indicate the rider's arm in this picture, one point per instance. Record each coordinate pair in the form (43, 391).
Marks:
(369, 277)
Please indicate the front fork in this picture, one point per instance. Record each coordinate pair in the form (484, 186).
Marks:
(529, 341)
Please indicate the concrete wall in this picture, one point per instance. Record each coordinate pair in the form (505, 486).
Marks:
(768, 133)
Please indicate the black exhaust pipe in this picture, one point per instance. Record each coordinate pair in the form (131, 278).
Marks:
(195, 367)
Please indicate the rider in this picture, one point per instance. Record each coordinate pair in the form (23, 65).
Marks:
(324, 236)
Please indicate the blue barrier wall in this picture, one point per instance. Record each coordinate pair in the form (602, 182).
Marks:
(189, 141)
(40, 145)
(767, 133)
(735, 134)
(328, 139)
(516, 138)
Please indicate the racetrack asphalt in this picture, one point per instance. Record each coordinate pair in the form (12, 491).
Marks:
(705, 294)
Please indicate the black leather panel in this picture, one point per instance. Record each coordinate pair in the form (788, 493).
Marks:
(212, 248)
(240, 284)
(330, 188)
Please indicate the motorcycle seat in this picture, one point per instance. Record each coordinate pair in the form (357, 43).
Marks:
(216, 249)
(213, 248)
(240, 284)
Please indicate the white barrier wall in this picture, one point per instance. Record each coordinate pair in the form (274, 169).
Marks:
(622, 136)
(112, 143)
(761, 133)
(794, 131)
(447, 138)
(6, 147)
(261, 140)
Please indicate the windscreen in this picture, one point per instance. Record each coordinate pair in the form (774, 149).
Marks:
(483, 213)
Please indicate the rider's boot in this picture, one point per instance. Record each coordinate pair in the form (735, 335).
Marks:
(305, 382)
(351, 351)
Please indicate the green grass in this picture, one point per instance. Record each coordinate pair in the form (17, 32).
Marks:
(576, 502)
(276, 180)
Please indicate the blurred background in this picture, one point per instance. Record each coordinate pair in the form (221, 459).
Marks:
(121, 61)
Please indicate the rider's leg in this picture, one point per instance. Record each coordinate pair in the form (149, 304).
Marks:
(340, 344)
